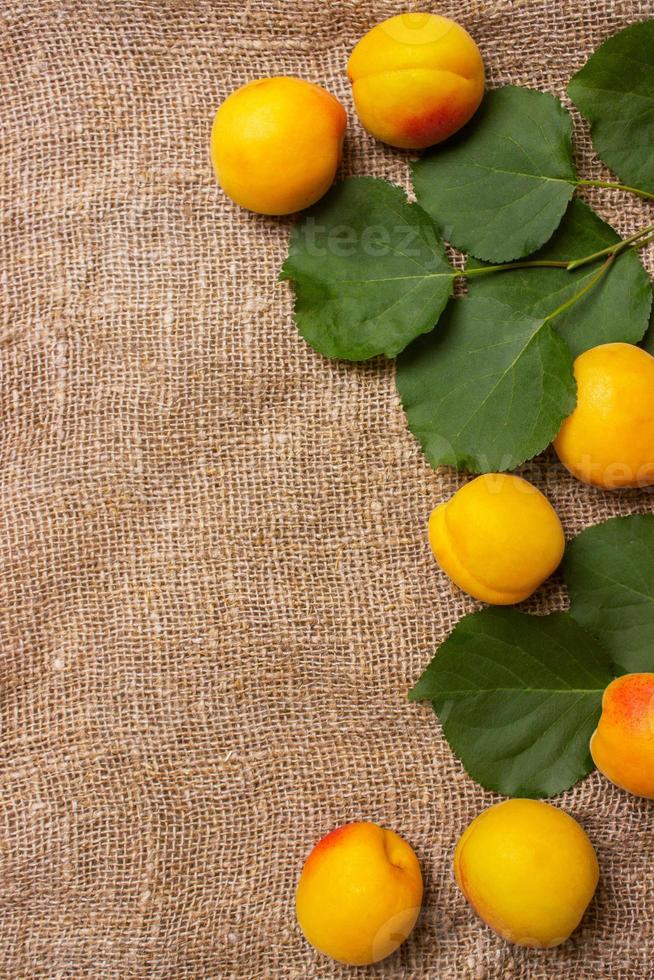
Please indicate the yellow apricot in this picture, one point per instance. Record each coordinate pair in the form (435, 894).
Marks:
(276, 144)
(498, 538)
(622, 746)
(528, 870)
(359, 893)
(608, 441)
(416, 79)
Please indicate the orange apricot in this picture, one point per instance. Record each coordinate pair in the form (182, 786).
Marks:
(276, 144)
(416, 79)
(608, 441)
(359, 893)
(622, 746)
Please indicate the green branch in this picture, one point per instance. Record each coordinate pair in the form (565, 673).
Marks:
(613, 185)
(632, 241)
(638, 240)
(534, 264)
(582, 292)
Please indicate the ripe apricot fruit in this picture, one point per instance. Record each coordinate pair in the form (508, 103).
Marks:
(608, 441)
(416, 79)
(528, 870)
(276, 144)
(497, 538)
(359, 893)
(623, 744)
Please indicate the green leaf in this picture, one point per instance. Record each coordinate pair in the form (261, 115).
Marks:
(647, 342)
(609, 571)
(368, 269)
(518, 697)
(488, 389)
(500, 188)
(615, 92)
(616, 309)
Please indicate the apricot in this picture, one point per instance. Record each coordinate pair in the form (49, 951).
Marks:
(622, 746)
(528, 870)
(497, 538)
(359, 893)
(608, 441)
(276, 144)
(416, 79)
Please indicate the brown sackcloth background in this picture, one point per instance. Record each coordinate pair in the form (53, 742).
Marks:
(215, 582)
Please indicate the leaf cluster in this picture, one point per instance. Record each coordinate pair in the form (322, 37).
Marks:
(519, 696)
(486, 379)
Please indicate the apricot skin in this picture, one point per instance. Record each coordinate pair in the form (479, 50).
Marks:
(276, 144)
(622, 746)
(498, 538)
(528, 870)
(416, 79)
(608, 441)
(359, 893)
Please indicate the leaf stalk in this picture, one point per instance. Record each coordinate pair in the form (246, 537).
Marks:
(582, 292)
(505, 267)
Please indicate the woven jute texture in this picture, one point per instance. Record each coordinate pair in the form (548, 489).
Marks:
(216, 587)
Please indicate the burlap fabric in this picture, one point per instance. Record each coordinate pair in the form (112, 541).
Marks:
(216, 588)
